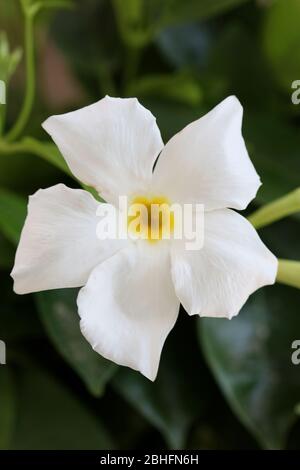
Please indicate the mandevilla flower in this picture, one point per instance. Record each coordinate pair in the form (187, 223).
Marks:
(133, 289)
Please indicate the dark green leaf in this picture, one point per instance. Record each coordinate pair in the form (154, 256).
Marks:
(52, 417)
(58, 312)
(274, 150)
(18, 318)
(48, 151)
(175, 399)
(178, 11)
(250, 357)
(12, 214)
(185, 45)
(7, 406)
(140, 20)
(7, 253)
(45, 150)
(228, 67)
(283, 238)
(171, 117)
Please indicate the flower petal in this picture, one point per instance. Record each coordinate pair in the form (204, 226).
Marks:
(129, 306)
(59, 246)
(216, 280)
(210, 154)
(110, 145)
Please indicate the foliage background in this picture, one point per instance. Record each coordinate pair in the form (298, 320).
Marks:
(222, 384)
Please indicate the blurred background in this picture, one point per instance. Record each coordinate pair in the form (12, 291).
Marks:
(221, 384)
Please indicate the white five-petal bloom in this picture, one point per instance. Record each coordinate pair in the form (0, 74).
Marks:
(132, 290)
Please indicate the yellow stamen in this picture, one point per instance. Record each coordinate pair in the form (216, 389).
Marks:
(150, 218)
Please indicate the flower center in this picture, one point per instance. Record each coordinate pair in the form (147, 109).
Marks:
(150, 218)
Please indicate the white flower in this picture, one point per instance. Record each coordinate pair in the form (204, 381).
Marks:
(132, 290)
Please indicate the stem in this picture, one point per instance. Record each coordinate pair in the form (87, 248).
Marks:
(289, 272)
(276, 210)
(30, 81)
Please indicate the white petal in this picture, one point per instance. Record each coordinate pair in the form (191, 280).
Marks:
(217, 280)
(59, 246)
(129, 306)
(207, 162)
(110, 145)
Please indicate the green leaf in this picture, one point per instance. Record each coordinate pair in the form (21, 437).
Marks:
(281, 40)
(250, 357)
(18, 318)
(185, 45)
(140, 20)
(172, 117)
(283, 238)
(7, 253)
(178, 11)
(12, 214)
(58, 312)
(233, 55)
(52, 417)
(181, 87)
(172, 402)
(8, 60)
(22, 171)
(274, 150)
(7, 406)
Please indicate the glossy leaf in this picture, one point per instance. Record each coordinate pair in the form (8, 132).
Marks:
(51, 416)
(176, 398)
(58, 312)
(250, 357)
